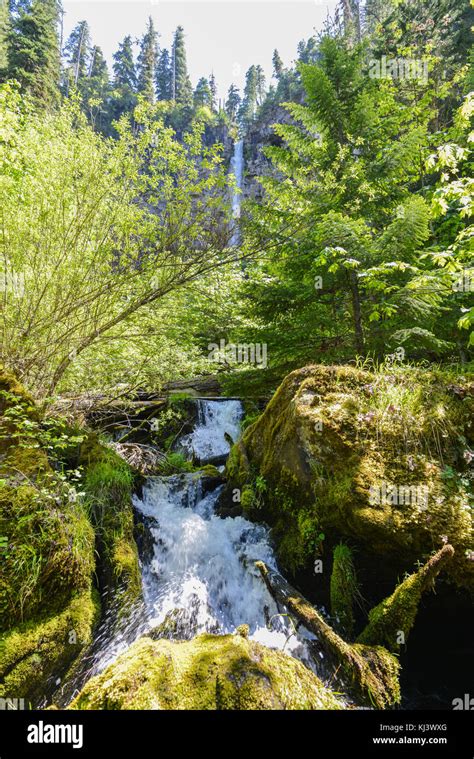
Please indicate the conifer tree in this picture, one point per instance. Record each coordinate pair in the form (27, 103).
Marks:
(259, 84)
(33, 49)
(163, 76)
(4, 33)
(96, 90)
(213, 88)
(277, 65)
(78, 56)
(123, 95)
(202, 93)
(232, 103)
(125, 74)
(147, 62)
(249, 100)
(182, 91)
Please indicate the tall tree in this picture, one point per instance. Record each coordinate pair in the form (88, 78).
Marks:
(202, 93)
(78, 55)
(182, 91)
(163, 76)
(232, 103)
(277, 65)
(125, 74)
(260, 84)
(4, 33)
(147, 61)
(123, 95)
(96, 89)
(249, 100)
(34, 57)
(213, 88)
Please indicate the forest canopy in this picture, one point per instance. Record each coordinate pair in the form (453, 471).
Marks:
(119, 263)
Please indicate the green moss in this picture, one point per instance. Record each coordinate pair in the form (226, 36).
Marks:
(248, 499)
(332, 436)
(344, 589)
(209, 470)
(391, 621)
(108, 483)
(209, 672)
(36, 650)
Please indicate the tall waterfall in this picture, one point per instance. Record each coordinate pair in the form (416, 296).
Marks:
(237, 166)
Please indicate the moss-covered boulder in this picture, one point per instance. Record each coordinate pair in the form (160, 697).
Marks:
(380, 459)
(208, 672)
(47, 561)
(36, 654)
(47, 554)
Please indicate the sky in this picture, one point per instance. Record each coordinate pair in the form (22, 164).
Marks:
(223, 36)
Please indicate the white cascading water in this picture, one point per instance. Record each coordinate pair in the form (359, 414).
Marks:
(237, 166)
(204, 565)
(199, 566)
(215, 420)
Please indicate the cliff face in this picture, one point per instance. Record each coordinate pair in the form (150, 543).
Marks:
(381, 460)
(260, 135)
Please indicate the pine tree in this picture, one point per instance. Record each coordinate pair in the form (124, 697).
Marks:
(202, 93)
(163, 76)
(33, 49)
(78, 56)
(147, 62)
(4, 34)
(213, 88)
(125, 74)
(232, 103)
(96, 90)
(123, 95)
(98, 75)
(277, 65)
(259, 84)
(249, 100)
(182, 91)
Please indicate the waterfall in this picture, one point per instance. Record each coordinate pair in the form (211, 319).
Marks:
(216, 419)
(237, 166)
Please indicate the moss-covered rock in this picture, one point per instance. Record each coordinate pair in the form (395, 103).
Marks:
(44, 647)
(377, 459)
(49, 554)
(208, 672)
(47, 604)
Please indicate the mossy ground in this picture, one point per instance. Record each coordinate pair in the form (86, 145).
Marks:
(48, 560)
(209, 672)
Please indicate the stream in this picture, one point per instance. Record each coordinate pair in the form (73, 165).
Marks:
(197, 566)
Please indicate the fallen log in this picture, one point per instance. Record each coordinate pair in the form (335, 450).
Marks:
(391, 621)
(369, 672)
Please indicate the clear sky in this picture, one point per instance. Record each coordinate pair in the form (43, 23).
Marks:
(224, 36)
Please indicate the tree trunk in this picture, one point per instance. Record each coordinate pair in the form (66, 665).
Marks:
(356, 313)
